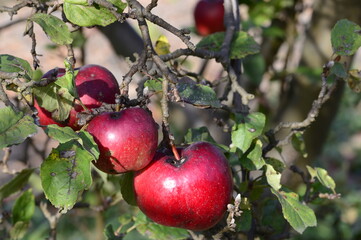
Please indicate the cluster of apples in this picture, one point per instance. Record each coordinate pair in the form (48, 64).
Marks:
(190, 193)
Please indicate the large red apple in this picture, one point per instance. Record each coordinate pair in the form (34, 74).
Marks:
(208, 16)
(192, 193)
(127, 140)
(94, 84)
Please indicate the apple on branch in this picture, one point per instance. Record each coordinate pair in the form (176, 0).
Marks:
(191, 193)
(127, 140)
(209, 17)
(94, 84)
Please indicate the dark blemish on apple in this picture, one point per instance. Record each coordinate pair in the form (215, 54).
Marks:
(115, 115)
(53, 174)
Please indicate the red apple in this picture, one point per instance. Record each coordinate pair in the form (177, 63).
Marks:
(192, 193)
(208, 16)
(127, 140)
(94, 84)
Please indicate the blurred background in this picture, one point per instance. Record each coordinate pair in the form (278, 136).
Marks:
(285, 77)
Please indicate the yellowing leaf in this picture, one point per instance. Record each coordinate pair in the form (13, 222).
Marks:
(162, 45)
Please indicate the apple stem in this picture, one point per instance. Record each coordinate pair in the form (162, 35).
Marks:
(175, 152)
(82, 104)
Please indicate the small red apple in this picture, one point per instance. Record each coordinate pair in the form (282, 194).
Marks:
(94, 84)
(127, 140)
(191, 193)
(208, 16)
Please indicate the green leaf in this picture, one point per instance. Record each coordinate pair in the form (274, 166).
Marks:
(127, 188)
(322, 176)
(298, 215)
(81, 2)
(198, 135)
(19, 230)
(197, 94)
(246, 129)
(273, 177)
(15, 127)
(67, 80)
(156, 231)
(24, 207)
(15, 184)
(11, 64)
(277, 164)
(154, 85)
(86, 16)
(253, 160)
(56, 100)
(242, 44)
(254, 68)
(339, 70)
(88, 143)
(299, 144)
(55, 29)
(109, 233)
(65, 174)
(244, 222)
(345, 37)
(271, 216)
(61, 134)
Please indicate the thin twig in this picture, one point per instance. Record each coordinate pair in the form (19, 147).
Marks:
(5, 98)
(6, 157)
(52, 219)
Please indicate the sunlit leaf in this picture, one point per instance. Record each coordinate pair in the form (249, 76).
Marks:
(86, 16)
(15, 184)
(157, 231)
(55, 29)
(273, 177)
(56, 100)
(61, 134)
(296, 213)
(154, 85)
(345, 37)
(11, 64)
(19, 230)
(246, 129)
(253, 160)
(24, 207)
(322, 176)
(15, 127)
(65, 174)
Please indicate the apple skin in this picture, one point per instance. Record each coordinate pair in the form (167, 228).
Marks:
(191, 195)
(94, 84)
(208, 16)
(127, 140)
